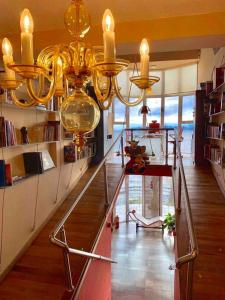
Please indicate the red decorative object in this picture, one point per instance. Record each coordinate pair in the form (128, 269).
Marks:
(138, 158)
(154, 126)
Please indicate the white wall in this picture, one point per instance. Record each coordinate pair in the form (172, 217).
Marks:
(208, 61)
(27, 205)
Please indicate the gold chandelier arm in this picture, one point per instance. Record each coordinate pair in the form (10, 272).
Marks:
(40, 85)
(102, 98)
(126, 101)
(19, 103)
(37, 98)
(105, 107)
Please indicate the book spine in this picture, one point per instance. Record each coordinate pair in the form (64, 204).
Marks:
(8, 174)
(2, 173)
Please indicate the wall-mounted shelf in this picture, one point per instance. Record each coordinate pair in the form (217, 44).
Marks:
(217, 114)
(19, 179)
(213, 138)
(29, 144)
(32, 108)
(219, 89)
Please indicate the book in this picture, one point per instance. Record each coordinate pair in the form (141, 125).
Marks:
(8, 174)
(33, 163)
(47, 160)
(69, 153)
(2, 132)
(2, 172)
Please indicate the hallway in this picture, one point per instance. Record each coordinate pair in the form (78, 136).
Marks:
(142, 271)
(144, 257)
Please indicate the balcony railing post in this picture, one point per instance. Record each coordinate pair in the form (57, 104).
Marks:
(69, 280)
(189, 280)
(122, 151)
(175, 154)
(179, 191)
(166, 146)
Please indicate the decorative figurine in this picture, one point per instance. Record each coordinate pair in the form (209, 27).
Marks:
(138, 158)
(24, 135)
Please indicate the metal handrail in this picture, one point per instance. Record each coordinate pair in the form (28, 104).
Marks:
(193, 253)
(60, 226)
(193, 241)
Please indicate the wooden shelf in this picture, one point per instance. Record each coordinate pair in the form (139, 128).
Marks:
(220, 88)
(29, 144)
(22, 178)
(216, 114)
(14, 106)
(213, 138)
(214, 162)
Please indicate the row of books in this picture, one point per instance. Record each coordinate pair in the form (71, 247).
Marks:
(53, 104)
(218, 104)
(7, 133)
(70, 154)
(216, 131)
(213, 153)
(52, 131)
(5, 174)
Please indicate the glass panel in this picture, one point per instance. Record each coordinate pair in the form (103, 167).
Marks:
(172, 81)
(135, 193)
(156, 88)
(171, 111)
(155, 105)
(136, 119)
(119, 111)
(188, 107)
(187, 138)
(117, 128)
(188, 78)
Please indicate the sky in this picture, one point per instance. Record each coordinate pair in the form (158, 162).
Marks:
(171, 110)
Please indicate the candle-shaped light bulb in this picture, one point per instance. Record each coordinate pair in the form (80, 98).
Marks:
(7, 51)
(108, 26)
(26, 21)
(144, 52)
(108, 21)
(27, 27)
(7, 47)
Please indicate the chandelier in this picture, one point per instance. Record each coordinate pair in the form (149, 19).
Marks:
(66, 69)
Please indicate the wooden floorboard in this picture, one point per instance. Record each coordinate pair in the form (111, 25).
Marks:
(39, 273)
(208, 209)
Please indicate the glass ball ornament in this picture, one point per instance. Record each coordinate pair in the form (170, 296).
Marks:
(79, 113)
(76, 19)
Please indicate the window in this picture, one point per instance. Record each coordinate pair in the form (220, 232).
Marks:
(188, 108)
(136, 119)
(155, 106)
(119, 111)
(171, 111)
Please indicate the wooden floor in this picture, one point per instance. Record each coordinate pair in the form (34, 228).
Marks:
(208, 209)
(39, 274)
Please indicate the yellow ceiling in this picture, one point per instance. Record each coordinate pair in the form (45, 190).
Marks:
(48, 14)
(170, 25)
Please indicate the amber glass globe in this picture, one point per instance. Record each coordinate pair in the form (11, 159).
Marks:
(79, 113)
(76, 19)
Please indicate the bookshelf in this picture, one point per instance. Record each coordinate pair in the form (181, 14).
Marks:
(214, 120)
(32, 198)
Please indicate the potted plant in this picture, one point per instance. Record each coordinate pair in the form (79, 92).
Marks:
(170, 223)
